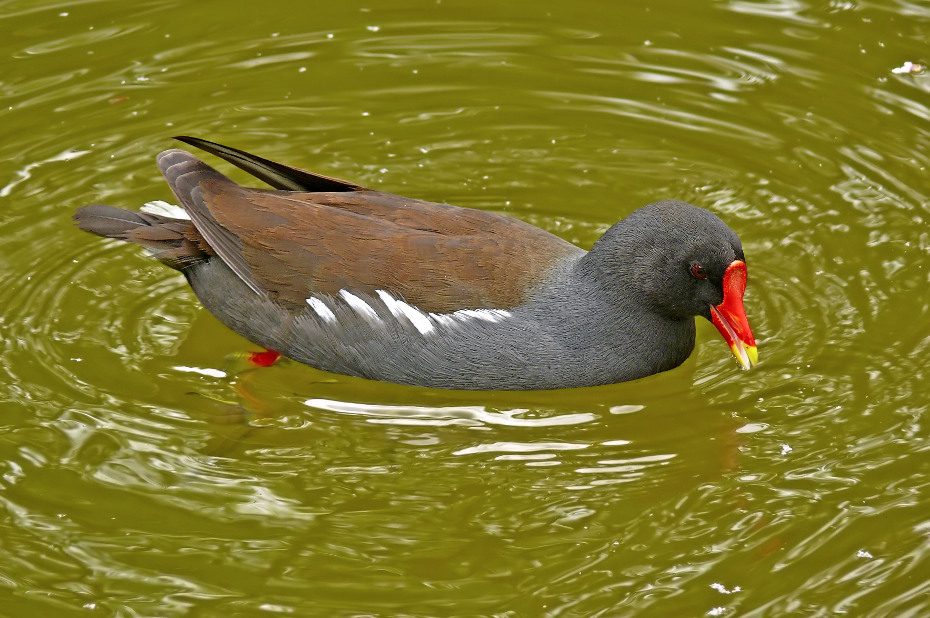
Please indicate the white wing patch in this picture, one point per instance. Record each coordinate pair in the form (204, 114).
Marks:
(425, 323)
(165, 209)
(488, 315)
(322, 310)
(399, 308)
(444, 319)
(359, 305)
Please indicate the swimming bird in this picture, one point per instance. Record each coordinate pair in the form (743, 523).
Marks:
(371, 284)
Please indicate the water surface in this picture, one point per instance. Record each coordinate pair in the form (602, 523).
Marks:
(137, 480)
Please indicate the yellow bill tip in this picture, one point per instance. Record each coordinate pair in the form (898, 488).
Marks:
(746, 356)
(753, 354)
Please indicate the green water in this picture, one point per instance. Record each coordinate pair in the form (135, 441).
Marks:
(136, 482)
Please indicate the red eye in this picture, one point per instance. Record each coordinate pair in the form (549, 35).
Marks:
(697, 271)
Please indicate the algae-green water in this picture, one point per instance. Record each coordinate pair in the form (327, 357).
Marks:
(140, 477)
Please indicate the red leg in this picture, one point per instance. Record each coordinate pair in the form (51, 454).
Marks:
(264, 359)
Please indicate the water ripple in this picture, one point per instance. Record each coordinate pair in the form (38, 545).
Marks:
(139, 476)
(469, 415)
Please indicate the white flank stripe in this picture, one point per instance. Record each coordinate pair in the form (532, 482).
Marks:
(321, 309)
(158, 207)
(444, 319)
(399, 308)
(498, 314)
(360, 306)
(488, 315)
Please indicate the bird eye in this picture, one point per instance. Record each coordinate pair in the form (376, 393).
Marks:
(697, 271)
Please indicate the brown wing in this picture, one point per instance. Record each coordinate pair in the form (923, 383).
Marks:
(291, 245)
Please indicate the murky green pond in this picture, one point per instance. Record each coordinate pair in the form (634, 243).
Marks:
(136, 480)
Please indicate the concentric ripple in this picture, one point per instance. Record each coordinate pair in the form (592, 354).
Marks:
(141, 474)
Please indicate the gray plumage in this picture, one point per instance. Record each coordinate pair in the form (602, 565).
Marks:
(621, 311)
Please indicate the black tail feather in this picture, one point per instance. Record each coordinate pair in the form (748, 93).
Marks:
(277, 175)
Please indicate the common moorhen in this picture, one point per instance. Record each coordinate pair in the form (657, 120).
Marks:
(385, 287)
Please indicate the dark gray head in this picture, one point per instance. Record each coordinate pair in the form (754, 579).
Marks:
(676, 261)
(673, 256)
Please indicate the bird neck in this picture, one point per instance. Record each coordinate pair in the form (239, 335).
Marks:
(605, 325)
